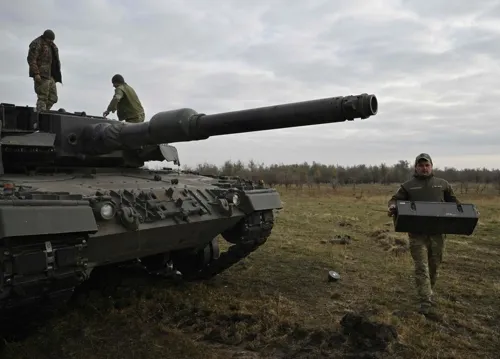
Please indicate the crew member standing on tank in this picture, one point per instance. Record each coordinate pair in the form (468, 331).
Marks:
(125, 102)
(426, 250)
(45, 68)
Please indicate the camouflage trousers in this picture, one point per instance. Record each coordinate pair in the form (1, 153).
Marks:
(137, 119)
(427, 254)
(46, 92)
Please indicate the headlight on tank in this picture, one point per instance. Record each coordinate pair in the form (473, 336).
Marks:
(105, 210)
(235, 199)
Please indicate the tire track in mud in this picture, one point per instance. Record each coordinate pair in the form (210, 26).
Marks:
(238, 332)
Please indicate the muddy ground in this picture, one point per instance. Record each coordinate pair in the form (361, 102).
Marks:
(279, 303)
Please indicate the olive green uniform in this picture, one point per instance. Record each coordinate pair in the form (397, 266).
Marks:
(426, 250)
(127, 105)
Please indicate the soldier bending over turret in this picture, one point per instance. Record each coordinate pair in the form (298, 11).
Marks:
(125, 102)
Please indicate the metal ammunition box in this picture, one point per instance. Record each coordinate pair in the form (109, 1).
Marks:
(435, 217)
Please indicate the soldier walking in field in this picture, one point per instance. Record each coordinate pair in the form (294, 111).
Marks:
(45, 68)
(125, 102)
(426, 250)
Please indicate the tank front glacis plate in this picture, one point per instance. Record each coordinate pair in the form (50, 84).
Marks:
(74, 223)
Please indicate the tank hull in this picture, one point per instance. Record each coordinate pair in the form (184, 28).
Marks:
(59, 238)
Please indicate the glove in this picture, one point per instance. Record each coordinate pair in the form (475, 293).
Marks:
(391, 211)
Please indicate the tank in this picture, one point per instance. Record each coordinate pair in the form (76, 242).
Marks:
(77, 197)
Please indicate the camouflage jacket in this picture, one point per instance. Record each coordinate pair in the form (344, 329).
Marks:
(43, 60)
(429, 189)
(126, 103)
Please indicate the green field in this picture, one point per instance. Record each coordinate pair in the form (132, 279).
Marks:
(278, 303)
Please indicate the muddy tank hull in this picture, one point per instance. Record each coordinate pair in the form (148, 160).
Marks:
(52, 241)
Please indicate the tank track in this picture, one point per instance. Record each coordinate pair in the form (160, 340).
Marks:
(247, 236)
(38, 286)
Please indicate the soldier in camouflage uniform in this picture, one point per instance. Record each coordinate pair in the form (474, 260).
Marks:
(125, 102)
(426, 250)
(45, 68)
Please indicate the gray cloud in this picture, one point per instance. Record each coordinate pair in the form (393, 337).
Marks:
(433, 66)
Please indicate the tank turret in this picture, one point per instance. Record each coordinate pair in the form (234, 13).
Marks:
(60, 139)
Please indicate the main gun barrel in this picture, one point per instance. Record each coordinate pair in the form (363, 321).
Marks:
(187, 125)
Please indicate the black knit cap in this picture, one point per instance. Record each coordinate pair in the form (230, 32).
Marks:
(117, 79)
(49, 34)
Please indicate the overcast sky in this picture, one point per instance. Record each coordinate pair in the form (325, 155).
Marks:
(434, 66)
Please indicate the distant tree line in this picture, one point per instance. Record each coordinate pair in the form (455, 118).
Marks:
(316, 173)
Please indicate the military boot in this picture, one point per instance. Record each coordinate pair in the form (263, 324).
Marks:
(429, 311)
(434, 298)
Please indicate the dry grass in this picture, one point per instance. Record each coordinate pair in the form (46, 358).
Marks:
(279, 303)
